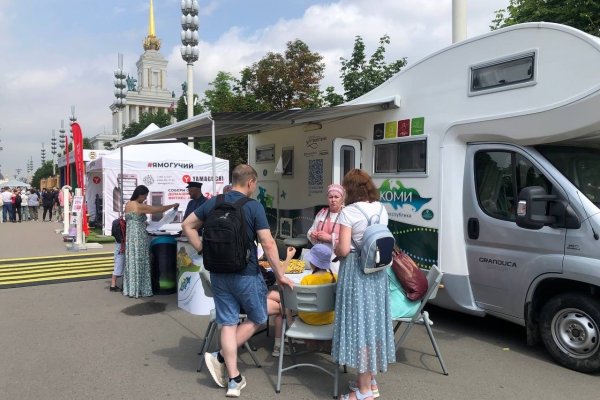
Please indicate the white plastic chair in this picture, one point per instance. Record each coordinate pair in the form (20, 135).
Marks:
(308, 298)
(212, 325)
(421, 317)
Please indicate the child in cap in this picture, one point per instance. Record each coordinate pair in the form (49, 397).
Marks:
(319, 259)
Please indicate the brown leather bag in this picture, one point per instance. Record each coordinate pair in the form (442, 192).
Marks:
(410, 276)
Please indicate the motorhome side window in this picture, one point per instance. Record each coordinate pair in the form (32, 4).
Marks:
(499, 177)
(403, 156)
(503, 73)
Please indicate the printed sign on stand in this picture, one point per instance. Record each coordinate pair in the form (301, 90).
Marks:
(77, 204)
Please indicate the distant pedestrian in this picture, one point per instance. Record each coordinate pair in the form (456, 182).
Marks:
(6, 204)
(18, 202)
(33, 201)
(47, 203)
(25, 205)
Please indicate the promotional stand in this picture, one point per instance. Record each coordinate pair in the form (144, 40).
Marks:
(190, 294)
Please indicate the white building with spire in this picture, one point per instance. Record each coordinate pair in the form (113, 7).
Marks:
(147, 93)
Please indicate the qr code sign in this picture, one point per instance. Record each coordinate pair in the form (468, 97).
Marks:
(315, 172)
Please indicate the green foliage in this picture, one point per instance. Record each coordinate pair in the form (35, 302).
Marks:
(161, 119)
(108, 146)
(331, 98)
(226, 96)
(359, 76)
(284, 81)
(180, 113)
(580, 14)
(42, 172)
(87, 144)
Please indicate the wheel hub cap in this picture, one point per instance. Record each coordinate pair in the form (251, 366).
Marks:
(575, 333)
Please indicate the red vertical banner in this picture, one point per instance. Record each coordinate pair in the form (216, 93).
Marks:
(68, 165)
(79, 168)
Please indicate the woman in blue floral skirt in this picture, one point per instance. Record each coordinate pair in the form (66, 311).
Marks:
(363, 335)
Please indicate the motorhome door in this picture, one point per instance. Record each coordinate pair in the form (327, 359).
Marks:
(503, 258)
(346, 156)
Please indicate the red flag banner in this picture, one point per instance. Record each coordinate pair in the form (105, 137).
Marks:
(80, 169)
(68, 166)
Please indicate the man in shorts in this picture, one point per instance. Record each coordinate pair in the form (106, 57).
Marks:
(245, 289)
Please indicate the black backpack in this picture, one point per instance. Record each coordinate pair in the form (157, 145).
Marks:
(117, 230)
(225, 245)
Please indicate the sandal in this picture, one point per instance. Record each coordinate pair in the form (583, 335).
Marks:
(358, 394)
(353, 386)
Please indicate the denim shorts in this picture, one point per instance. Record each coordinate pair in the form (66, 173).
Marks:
(233, 292)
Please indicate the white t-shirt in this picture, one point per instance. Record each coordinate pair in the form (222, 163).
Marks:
(355, 219)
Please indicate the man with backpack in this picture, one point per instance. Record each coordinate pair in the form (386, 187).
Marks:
(232, 222)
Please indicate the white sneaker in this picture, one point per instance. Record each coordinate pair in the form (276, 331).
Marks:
(234, 388)
(277, 350)
(217, 370)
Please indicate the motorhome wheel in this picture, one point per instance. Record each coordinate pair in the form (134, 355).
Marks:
(570, 331)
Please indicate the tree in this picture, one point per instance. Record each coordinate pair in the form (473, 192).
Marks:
(580, 14)
(108, 146)
(87, 144)
(331, 98)
(180, 113)
(359, 76)
(42, 172)
(161, 119)
(226, 96)
(284, 81)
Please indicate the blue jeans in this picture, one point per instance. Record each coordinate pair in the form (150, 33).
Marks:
(233, 292)
(7, 212)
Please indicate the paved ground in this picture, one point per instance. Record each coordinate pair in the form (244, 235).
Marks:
(80, 341)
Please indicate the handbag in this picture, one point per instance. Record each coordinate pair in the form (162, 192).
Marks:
(410, 276)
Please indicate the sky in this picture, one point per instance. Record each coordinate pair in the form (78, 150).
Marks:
(62, 53)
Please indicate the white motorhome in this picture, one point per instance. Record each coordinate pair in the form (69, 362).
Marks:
(468, 129)
(487, 157)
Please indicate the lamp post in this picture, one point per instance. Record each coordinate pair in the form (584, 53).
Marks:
(43, 154)
(120, 94)
(189, 49)
(53, 151)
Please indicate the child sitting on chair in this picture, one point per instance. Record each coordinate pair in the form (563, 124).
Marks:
(319, 259)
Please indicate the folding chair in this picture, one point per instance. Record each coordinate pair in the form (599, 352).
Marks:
(434, 277)
(212, 325)
(309, 298)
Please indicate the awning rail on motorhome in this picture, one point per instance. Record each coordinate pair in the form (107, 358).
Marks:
(242, 123)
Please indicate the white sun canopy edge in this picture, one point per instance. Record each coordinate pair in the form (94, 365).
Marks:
(243, 123)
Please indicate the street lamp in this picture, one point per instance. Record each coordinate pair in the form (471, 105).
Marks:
(43, 154)
(120, 94)
(62, 136)
(30, 165)
(53, 150)
(189, 48)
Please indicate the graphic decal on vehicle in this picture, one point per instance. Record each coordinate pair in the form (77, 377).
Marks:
(399, 196)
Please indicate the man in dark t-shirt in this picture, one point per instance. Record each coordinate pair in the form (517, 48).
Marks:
(245, 289)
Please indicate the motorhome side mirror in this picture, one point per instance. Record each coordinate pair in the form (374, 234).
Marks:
(532, 208)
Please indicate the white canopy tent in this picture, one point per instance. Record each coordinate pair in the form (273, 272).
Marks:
(165, 170)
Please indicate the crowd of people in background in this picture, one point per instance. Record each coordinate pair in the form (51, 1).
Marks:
(21, 204)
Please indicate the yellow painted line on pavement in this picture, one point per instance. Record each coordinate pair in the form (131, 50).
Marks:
(54, 278)
(59, 256)
(57, 275)
(55, 263)
(64, 267)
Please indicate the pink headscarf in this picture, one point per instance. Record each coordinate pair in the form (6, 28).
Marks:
(334, 187)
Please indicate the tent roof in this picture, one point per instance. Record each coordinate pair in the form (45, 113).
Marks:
(12, 183)
(142, 153)
(243, 123)
(169, 151)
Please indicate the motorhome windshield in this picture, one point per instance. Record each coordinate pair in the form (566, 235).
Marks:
(579, 165)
